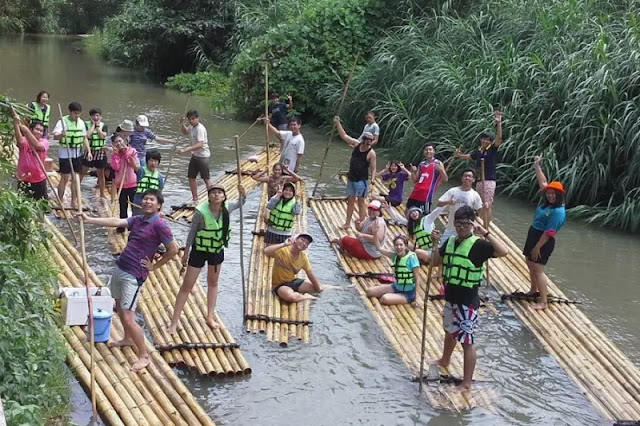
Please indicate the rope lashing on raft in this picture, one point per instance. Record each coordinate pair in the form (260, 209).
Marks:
(190, 345)
(235, 172)
(260, 317)
(519, 295)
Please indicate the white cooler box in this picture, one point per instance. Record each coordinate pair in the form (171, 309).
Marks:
(74, 303)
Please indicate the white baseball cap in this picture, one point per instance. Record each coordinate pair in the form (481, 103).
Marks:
(375, 204)
(142, 120)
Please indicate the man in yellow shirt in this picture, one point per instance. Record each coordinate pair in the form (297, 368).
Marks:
(289, 258)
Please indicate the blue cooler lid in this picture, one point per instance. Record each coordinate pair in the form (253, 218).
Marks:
(102, 314)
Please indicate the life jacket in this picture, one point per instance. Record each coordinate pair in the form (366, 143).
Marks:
(150, 180)
(423, 238)
(281, 216)
(405, 279)
(458, 268)
(38, 115)
(215, 235)
(95, 141)
(73, 130)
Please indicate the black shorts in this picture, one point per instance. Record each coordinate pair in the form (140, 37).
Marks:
(65, 165)
(198, 165)
(197, 258)
(425, 206)
(394, 203)
(533, 236)
(98, 164)
(295, 285)
(271, 238)
(37, 191)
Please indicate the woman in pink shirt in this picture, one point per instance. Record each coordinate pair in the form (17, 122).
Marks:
(125, 163)
(30, 143)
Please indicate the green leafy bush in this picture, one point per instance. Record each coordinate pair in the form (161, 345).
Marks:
(564, 72)
(211, 84)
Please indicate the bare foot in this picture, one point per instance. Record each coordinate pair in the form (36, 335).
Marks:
(346, 226)
(463, 387)
(539, 306)
(172, 329)
(211, 323)
(439, 362)
(308, 297)
(142, 363)
(120, 343)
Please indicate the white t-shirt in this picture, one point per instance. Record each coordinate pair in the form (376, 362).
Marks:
(66, 152)
(199, 133)
(372, 128)
(463, 198)
(292, 146)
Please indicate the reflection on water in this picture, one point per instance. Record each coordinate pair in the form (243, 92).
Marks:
(349, 374)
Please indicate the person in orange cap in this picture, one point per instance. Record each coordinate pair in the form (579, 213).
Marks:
(541, 238)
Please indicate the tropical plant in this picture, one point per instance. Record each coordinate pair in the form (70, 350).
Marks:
(211, 84)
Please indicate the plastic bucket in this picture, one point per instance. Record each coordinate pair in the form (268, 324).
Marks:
(101, 325)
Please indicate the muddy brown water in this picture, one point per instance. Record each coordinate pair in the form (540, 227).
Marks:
(349, 374)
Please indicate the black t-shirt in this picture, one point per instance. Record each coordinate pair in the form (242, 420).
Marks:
(278, 113)
(479, 253)
(490, 162)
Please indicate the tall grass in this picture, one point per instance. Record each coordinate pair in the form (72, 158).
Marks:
(565, 73)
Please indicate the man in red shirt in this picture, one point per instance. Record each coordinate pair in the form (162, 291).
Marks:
(427, 176)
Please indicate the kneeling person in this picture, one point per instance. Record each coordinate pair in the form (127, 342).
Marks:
(148, 177)
(289, 258)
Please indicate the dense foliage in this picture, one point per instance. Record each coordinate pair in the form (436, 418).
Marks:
(211, 84)
(564, 72)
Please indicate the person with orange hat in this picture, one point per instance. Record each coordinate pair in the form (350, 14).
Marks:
(363, 245)
(541, 238)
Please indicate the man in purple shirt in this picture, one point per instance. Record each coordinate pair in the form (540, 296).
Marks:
(146, 232)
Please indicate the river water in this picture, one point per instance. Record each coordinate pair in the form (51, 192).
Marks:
(349, 374)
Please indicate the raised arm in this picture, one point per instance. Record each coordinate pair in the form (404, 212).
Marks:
(459, 154)
(294, 176)
(542, 179)
(499, 250)
(497, 117)
(109, 222)
(17, 133)
(31, 139)
(272, 129)
(184, 128)
(343, 135)
(383, 171)
(260, 176)
(271, 250)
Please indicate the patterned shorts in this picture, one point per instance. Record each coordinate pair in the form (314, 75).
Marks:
(461, 322)
(487, 193)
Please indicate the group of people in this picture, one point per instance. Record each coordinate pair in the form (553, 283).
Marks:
(461, 250)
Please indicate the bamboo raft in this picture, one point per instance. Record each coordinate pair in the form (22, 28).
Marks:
(155, 396)
(265, 312)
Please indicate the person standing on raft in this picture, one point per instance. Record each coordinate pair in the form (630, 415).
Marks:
(97, 135)
(31, 142)
(289, 258)
(146, 232)
(200, 154)
(41, 110)
(541, 238)
(406, 267)
(373, 228)
(462, 256)
(282, 209)
(427, 176)
(291, 143)
(361, 165)
(208, 237)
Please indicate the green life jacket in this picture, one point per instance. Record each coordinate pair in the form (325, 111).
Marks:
(38, 115)
(215, 235)
(458, 268)
(74, 138)
(405, 279)
(95, 141)
(150, 180)
(281, 216)
(423, 238)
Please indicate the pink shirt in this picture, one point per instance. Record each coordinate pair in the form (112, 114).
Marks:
(118, 163)
(29, 170)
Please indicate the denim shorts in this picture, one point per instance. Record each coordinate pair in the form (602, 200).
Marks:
(358, 188)
(410, 295)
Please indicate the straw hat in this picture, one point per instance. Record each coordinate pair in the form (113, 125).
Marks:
(555, 185)
(126, 126)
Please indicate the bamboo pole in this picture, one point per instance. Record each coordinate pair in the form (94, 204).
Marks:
(266, 114)
(485, 209)
(117, 200)
(244, 291)
(425, 304)
(175, 145)
(333, 128)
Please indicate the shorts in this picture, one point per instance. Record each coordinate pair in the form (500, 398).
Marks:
(394, 203)
(460, 321)
(425, 206)
(198, 165)
(198, 258)
(99, 163)
(533, 236)
(272, 238)
(126, 288)
(295, 285)
(410, 295)
(37, 191)
(354, 247)
(358, 188)
(65, 165)
(487, 193)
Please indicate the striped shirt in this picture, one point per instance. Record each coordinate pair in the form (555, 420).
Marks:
(145, 235)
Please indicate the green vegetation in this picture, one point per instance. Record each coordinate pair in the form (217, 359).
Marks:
(34, 382)
(564, 73)
(212, 84)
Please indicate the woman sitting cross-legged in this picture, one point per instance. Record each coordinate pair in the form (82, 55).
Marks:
(406, 267)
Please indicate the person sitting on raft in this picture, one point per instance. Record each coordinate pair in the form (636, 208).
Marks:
(406, 267)
(282, 208)
(208, 237)
(462, 256)
(289, 258)
(541, 238)
(276, 179)
(374, 227)
(395, 175)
